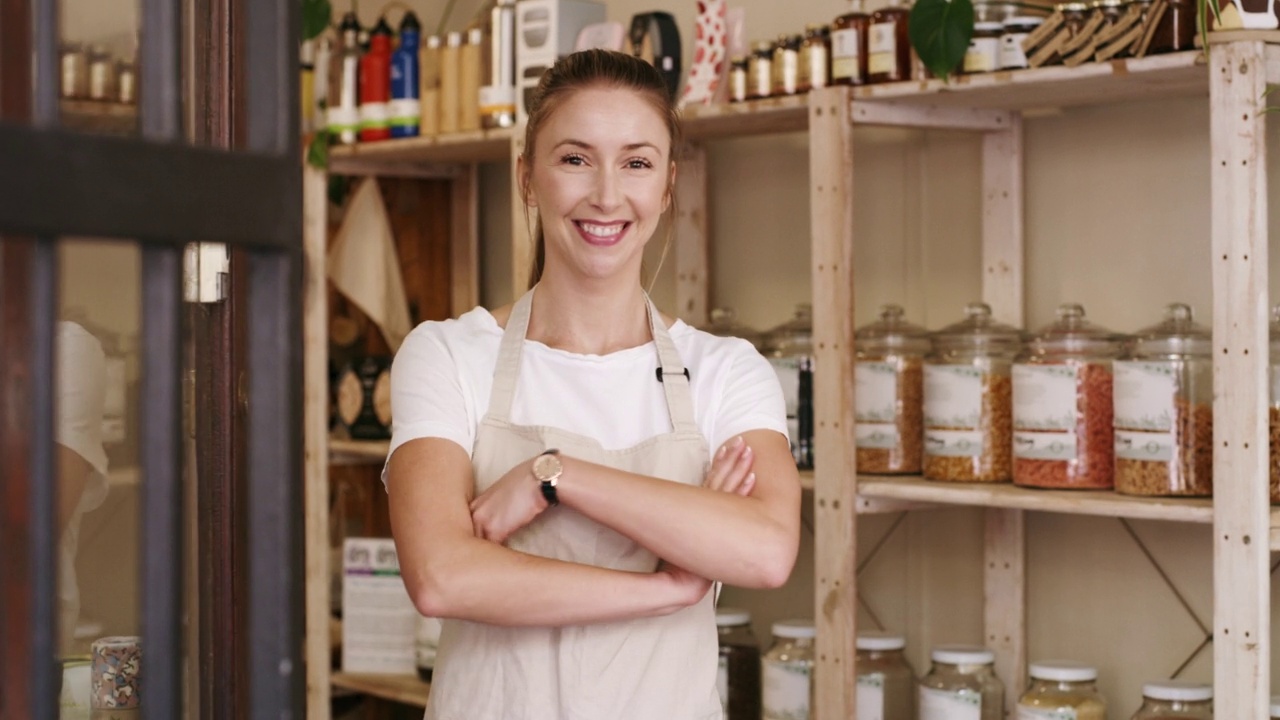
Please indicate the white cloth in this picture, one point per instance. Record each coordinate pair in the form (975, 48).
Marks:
(80, 394)
(442, 378)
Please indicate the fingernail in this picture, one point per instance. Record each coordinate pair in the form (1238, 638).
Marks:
(751, 479)
(720, 453)
(738, 441)
(747, 451)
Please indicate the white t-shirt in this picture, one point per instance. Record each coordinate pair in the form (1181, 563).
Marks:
(443, 375)
(80, 391)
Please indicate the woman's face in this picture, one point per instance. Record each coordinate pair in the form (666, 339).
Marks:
(599, 181)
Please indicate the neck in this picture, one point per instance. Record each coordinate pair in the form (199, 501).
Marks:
(591, 321)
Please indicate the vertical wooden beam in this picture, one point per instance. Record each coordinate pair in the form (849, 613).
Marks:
(1241, 581)
(522, 219)
(464, 244)
(835, 485)
(692, 236)
(315, 331)
(1004, 543)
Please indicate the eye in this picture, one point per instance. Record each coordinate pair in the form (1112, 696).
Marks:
(639, 164)
(573, 159)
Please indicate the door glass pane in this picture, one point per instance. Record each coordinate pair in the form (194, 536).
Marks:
(98, 65)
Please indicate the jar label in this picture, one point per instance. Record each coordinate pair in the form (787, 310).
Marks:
(877, 436)
(952, 396)
(870, 698)
(1031, 713)
(788, 72)
(786, 690)
(875, 392)
(1144, 396)
(953, 443)
(1044, 445)
(1011, 52)
(962, 704)
(882, 46)
(1149, 446)
(1044, 397)
(983, 55)
(844, 54)
(814, 71)
(722, 686)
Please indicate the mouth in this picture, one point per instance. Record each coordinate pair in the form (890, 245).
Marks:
(602, 234)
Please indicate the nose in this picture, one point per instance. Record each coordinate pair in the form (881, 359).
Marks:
(606, 195)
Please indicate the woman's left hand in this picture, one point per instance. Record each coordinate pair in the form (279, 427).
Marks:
(507, 505)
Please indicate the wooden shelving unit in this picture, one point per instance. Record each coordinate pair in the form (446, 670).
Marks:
(358, 452)
(1233, 80)
(403, 689)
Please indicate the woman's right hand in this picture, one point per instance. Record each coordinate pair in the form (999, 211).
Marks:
(688, 587)
(731, 468)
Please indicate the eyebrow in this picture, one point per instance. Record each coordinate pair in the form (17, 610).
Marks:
(588, 146)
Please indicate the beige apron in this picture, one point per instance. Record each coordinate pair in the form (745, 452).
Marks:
(661, 668)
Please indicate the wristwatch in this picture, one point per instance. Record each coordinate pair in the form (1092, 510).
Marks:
(547, 470)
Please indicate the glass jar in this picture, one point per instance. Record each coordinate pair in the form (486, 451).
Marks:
(1274, 412)
(961, 679)
(74, 66)
(786, 64)
(739, 677)
(1074, 16)
(888, 45)
(1062, 689)
(885, 682)
(983, 54)
(1112, 10)
(738, 79)
(760, 70)
(1062, 405)
(889, 396)
(815, 58)
(1177, 700)
(1164, 409)
(849, 46)
(1015, 31)
(724, 323)
(968, 399)
(789, 348)
(787, 671)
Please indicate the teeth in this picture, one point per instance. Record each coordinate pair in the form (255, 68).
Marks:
(602, 230)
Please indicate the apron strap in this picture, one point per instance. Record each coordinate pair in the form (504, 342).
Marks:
(675, 380)
(508, 367)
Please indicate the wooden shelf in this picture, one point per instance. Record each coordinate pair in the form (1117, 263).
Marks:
(398, 157)
(95, 116)
(404, 689)
(358, 452)
(754, 117)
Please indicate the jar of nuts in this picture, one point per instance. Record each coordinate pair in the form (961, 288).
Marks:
(1275, 404)
(888, 402)
(1062, 432)
(1164, 409)
(968, 399)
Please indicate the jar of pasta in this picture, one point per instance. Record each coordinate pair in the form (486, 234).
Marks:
(968, 399)
(1062, 412)
(1164, 409)
(961, 683)
(738, 679)
(1274, 412)
(787, 671)
(1178, 700)
(1062, 689)
(889, 396)
(885, 681)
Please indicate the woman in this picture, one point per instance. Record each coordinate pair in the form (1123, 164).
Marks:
(552, 490)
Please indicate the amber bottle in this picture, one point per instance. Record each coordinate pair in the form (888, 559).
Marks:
(849, 46)
(888, 45)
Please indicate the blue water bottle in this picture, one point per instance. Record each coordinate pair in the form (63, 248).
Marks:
(406, 110)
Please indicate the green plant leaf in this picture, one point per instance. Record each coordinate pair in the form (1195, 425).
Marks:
(940, 31)
(318, 150)
(316, 15)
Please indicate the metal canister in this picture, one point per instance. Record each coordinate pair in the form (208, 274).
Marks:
(102, 75)
(75, 71)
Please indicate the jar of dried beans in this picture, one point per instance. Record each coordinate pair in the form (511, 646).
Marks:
(888, 402)
(968, 399)
(1062, 433)
(1164, 409)
(1274, 412)
(1177, 699)
(1062, 689)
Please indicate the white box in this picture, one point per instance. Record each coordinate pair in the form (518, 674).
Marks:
(546, 31)
(378, 618)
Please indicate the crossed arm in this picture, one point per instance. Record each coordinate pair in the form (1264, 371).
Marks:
(740, 527)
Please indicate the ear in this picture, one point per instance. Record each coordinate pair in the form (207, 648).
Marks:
(522, 182)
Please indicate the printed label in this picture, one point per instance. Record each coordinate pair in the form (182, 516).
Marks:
(343, 118)
(950, 704)
(786, 690)
(763, 78)
(983, 54)
(952, 396)
(1044, 445)
(953, 443)
(405, 112)
(1030, 713)
(374, 115)
(1044, 397)
(882, 49)
(788, 371)
(878, 436)
(722, 686)
(844, 54)
(1149, 446)
(875, 392)
(1011, 52)
(1144, 394)
(816, 72)
(870, 698)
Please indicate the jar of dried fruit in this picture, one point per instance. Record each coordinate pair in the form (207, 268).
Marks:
(1275, 404)
(968, 399)
(1164, 409)
(1062, 432)
(889, 399)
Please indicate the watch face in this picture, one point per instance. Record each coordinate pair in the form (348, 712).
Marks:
(546, 467)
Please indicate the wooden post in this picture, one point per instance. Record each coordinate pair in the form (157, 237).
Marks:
(692, 236)
(1004, 544)
(315, 354)
(1241, 578)
(522, 220)
(835, 484)
(464, 241)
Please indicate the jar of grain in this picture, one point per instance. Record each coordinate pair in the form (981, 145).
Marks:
(961, 683)
(888, 401)
(886, 683)
(1062, 432)
(789, 348)
(1062, 689)
(739, 677)
(1164, 409)
(1274, 412)
(968, 399)
(1177, 700)
(787, 671)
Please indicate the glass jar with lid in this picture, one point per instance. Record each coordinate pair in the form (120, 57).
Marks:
(739, 677)
(1062, 689)
(968, 399)
(789, 349)
(738, 79)
(886, 683)
(961, 683)
(889, 396)
(724, 323)
(983, 54)
(786, 64)
(849, 46)
(888, 43)
(787, 671)
(1014, 32)
(760, 70)
(1177, 700)
(1062, 405)
(1164, 409)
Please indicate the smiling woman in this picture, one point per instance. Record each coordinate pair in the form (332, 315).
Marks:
(551, 496)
